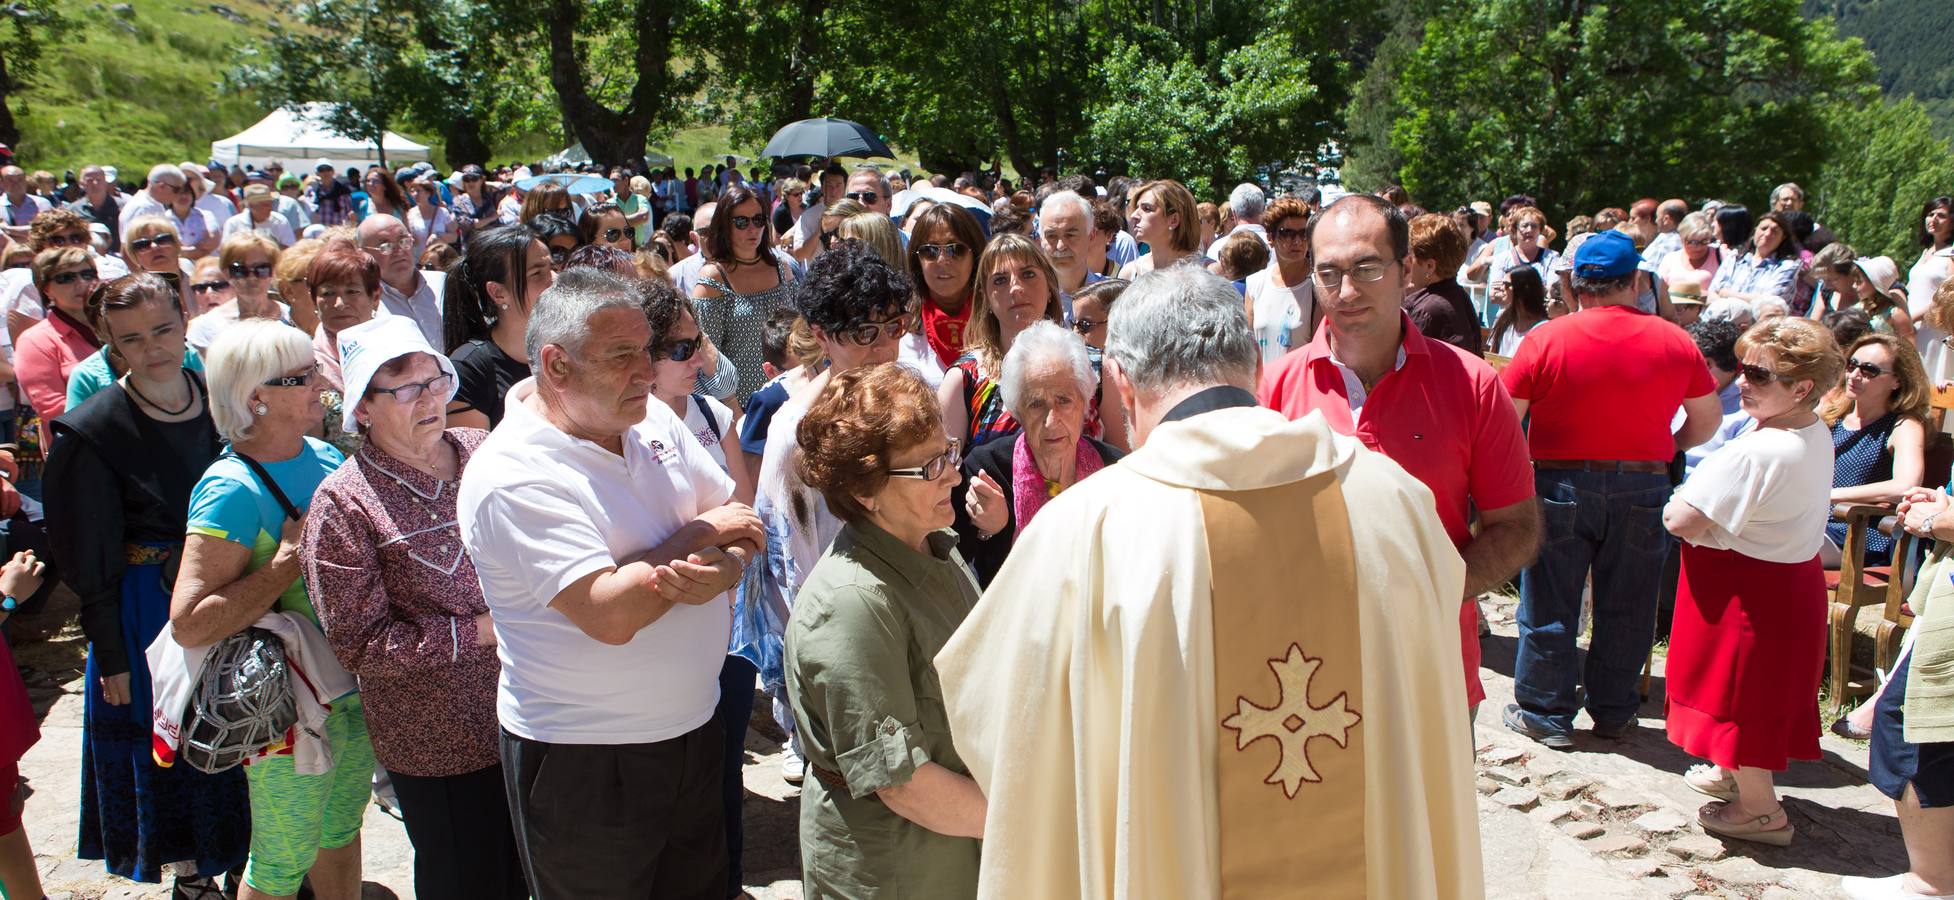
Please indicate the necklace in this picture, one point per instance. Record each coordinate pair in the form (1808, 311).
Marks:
(191, 390)
(754, 260)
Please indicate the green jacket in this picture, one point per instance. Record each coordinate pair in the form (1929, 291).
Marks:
(867, 624)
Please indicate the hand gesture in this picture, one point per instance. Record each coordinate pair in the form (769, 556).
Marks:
(115, 689)
(702, 576)
(21, 576)
(985, 504)
(1918, 506)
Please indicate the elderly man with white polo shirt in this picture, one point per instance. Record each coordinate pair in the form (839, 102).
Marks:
(606, 542)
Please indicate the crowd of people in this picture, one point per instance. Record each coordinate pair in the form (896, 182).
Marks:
(1007, 498)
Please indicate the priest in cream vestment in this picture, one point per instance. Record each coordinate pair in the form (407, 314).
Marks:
(1228, 665)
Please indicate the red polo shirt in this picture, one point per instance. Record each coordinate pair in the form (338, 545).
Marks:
(1605, 383)
(1442, 415)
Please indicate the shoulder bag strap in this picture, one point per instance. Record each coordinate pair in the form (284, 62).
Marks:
(277, 493)
(711, 421)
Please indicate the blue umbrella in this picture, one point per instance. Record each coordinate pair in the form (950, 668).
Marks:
(571, 181)
(827, 137)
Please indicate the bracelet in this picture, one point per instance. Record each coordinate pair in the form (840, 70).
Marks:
(8, 603)
(1927, 525)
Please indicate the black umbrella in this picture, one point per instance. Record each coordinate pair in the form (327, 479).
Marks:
(825, 137)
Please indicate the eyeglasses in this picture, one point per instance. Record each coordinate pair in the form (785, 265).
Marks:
(468, 178)
(162, 240)
(387, 248)
(207, 287)
(559, 254)
(1759, 375)
(258, 272)
(745, 223)
(934, 252)
(612, 235)
(67, 278)
(408, 393)
(1698, 241)
(866, 334)
(866, 198)
(299, 380)
(680, 350)
(1865, 368)
(70, 239)
(1332, 277)
(930, 471)
(1085, 326)
(1289, 234)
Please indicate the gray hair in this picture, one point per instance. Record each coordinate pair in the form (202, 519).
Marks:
(1181, 326)
(1789, 187)
(1044, 343)
(1247, 202)
(563, 312)
(1692, 225)
(167, 174)
(1067, 198)
(1730, 309)
(881, 179)
(241, 359)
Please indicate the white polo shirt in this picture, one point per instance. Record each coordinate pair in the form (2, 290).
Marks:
(540, 510)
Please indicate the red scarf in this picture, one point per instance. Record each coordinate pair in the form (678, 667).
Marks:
(945, 330)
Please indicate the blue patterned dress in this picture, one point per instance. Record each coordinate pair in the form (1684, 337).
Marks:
(1862, 457)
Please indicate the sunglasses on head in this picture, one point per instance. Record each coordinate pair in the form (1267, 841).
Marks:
(1865, 368)
(866, 198)
(162, 240)
(205, 287)
(746, 223)
(678, 351)
(67, 278)
(934, 252)
(257, 272)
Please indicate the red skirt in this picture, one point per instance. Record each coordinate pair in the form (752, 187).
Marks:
(1746, 654)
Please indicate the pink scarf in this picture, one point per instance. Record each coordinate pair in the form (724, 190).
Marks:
(1030, 489)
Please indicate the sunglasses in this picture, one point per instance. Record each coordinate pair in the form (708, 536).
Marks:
(206, 287)
(162, 240)
(867, 333)
(87, 276)
(1865, 368)
(934, 469)
(866, 198)
(559, 254)
(613, 235)
(934, 252)
(1289, 234)
(679, 351)
(408, 393)
(1085, 326)
(299, 380)
(1758, 374)
(828, 239)
(71, 239)
(258, 272)
(745, 223)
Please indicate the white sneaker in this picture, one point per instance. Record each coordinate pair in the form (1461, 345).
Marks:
(1892, 887)
(793, 769)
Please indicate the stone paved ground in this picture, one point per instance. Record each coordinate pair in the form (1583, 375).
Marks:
(1606, 820)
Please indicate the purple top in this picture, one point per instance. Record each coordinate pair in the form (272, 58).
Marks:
(397, 595)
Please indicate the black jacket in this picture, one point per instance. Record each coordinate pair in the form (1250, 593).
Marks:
(994, 457)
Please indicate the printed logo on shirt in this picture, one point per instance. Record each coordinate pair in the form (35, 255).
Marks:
(662, 454)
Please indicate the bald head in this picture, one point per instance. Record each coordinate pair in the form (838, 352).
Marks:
(388, 242)
(13, 180)
(1380, 222)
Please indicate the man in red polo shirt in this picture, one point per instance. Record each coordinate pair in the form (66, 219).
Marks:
(1602, 387)
(1436, 410)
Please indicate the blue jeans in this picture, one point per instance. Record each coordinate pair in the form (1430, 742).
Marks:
(1610, 523)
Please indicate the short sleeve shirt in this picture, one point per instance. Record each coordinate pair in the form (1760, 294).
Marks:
(1604, 384)
(1442, 415)
(485, 374)
(231, 504)
(541, 510)
(1766, 493)
(759, 415)
(713, 435)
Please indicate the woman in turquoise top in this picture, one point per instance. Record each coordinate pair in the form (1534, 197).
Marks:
(240, 561)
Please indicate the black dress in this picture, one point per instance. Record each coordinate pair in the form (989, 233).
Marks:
(117, 489)
(987, 556)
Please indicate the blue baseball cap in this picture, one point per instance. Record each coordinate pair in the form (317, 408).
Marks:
(1610, 254)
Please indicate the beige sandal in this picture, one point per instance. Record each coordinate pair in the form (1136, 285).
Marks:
(1757, 830)
(1712, 781)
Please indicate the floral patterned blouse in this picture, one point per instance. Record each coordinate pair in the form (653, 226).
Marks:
(397, 595)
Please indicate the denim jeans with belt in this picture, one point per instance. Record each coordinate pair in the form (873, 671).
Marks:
(1610, 523)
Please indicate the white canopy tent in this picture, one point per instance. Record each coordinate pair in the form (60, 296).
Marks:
(299, 138)
(576, 155)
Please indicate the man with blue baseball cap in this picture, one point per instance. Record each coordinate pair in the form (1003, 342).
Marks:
(1602, 386)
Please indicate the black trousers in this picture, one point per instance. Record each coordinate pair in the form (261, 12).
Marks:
(464, 841)
(624, 821)
(736, 677)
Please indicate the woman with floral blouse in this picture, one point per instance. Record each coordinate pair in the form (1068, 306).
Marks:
(403, 610)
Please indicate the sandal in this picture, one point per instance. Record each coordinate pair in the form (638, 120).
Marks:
(196, 889)
(1757, 830)
(1712, 781)
(1843, 728)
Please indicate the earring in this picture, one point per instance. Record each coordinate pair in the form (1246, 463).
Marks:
(261, 409)
(502, 306)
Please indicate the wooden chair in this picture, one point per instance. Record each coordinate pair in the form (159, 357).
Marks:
(1854, 586)
(1497, 361)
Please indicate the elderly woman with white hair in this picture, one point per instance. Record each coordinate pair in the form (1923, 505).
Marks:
(240, 561)
(404, 612)
(1048, 384)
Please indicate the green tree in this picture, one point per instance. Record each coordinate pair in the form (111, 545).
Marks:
(1886, 164)
(375, 67)
(1587, 102)
(26, 28)
(586, 43)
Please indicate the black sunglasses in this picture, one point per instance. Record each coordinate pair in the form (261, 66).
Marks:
(140, 244)
(1758, 374)
(240, 270)
(1289, 234)
(742, 223)
(934, 252)
(205, 287)
(294, 380)
(866, 198)
(828, 239)
(612, 235)
(1865, 368)
(1085, 326)
(679, 351)
(866, 333)
(67, 278)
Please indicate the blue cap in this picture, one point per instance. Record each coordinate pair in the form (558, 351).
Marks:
(1610, 254)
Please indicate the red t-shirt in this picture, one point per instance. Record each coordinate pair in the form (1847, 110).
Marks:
(1443, 416)
(1605, 383)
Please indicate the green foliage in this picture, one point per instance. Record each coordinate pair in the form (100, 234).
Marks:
(375, 65)
(26, 28)
(1911, 41)
(1586, 102)
(1886, 165)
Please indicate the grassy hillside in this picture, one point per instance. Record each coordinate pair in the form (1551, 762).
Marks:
(1910, 41)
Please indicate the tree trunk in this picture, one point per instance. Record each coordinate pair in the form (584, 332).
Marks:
(797, 102)
(611, 136)
(9, 130)
(465, 143)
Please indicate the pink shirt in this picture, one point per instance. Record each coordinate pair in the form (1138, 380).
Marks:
(43, 358)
